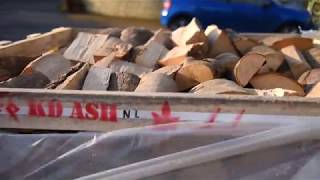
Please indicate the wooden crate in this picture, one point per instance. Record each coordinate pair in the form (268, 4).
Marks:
(105, 111)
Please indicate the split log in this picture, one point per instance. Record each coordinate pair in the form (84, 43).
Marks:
(163, 37)
(136, 51)
(151, 54)
(275, 80)
(123, 66)
(225, 63)
(97, 79)
(119, 48)
(84, 46)
(50, 65)
(274, 59)
(219, 86)
(111, 32)
(181, 53)
(297, 63)
(226, 87)
(313, 57)
(315, 91)
(270, 40)
(106, 61)
(284, 70)
(218, 42)
(76, 80)
(247, 67)
(242, 44)
(63, 77)
(310, 77)
(190, 34)
(34, 80)
(136, 36)
(279, 43)
(193, 73)
(11, 66)
(169, 70)
(157, 82)
(121, 81)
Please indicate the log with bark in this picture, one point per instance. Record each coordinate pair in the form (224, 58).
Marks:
(157, 82)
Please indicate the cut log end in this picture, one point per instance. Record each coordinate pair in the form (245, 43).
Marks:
(194, 73)
(275, 80)
(156, 82)
(219, 86)
(247, 67)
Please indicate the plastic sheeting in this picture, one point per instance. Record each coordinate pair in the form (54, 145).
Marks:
(98, 155)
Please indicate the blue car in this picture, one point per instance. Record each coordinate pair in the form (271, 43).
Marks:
(239, 15)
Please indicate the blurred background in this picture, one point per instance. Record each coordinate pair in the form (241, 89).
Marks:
(22, 17)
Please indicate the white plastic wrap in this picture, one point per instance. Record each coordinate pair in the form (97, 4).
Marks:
(176, 151)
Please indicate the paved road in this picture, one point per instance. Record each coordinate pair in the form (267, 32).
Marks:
(19, 18)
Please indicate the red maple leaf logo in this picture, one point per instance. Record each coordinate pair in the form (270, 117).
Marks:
(165, 117)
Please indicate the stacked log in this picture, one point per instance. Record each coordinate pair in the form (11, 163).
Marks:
(190, 59)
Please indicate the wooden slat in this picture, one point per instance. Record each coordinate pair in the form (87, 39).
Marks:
(33, 47)
(143, 107)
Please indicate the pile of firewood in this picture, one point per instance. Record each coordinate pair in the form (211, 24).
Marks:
(190, 59)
